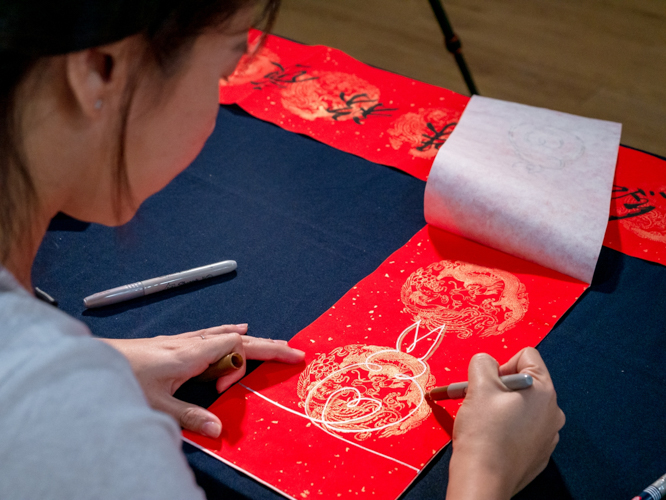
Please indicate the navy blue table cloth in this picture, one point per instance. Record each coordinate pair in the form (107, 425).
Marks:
(306, 222)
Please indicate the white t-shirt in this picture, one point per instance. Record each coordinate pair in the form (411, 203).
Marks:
(74, 423)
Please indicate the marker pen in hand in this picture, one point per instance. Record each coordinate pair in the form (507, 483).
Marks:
(515, 382)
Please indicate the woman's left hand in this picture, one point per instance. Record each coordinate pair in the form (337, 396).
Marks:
(162, 364)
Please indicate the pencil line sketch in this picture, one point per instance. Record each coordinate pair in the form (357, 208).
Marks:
(542, 147)
(469, 299)
(364, 389)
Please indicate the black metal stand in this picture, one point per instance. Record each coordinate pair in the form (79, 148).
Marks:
(452, 43)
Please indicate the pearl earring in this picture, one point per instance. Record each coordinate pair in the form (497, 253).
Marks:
(98, 104)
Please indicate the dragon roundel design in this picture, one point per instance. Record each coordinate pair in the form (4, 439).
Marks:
(651, 225)
(334, 96)
(366, 390)
(425, 131)
(469, 299)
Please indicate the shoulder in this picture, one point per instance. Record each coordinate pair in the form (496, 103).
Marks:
(75, 423)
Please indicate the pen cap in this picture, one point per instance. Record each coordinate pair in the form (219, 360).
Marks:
(229, 363)
(119, 294)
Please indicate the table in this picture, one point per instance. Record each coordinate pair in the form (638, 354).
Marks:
(306, 222)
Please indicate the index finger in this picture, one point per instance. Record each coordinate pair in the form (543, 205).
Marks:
(266, 349)
(529, 361)
(240, 329)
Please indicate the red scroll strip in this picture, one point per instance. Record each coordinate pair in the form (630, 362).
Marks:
(325, 94)
(637, 225)
(389, 119)
(352, 422)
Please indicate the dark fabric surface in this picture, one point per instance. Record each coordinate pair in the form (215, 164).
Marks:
(307, 222)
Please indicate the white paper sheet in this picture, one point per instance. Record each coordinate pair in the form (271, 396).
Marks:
(529, 181)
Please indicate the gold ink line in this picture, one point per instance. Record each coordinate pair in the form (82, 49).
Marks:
(327, 432)
(440, 332)
(366, 364)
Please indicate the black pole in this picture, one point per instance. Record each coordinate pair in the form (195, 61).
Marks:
(452, 43)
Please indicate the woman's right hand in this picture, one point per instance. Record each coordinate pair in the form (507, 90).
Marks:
(503, 439)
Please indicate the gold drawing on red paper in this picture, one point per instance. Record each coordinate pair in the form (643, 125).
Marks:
(651, 225)
(469, 299)
(263, 69)
(424, 132)
(640, 210)
(371, 391)
(334, 96)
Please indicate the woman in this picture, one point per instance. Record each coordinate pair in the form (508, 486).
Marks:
(102, 105)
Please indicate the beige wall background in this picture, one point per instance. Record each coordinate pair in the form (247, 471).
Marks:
(598, 58)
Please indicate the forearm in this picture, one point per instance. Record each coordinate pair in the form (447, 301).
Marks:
(471, 479)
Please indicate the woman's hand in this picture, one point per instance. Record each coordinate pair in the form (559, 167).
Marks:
(162, 364)
(503, 439)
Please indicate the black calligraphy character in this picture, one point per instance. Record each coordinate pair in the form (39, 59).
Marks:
(636, 202)
(355, 104)
(374, 110)
(283, 77)
(437, 138)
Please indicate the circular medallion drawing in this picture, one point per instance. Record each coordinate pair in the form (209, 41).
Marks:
(424, 132)
(469, 299)
(543, 147)
(651, 225)
(366, 390)
(331, 95)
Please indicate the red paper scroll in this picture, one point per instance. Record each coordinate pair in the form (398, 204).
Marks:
(325, 94)
(637, 225)
(351, 422)
(389, 119)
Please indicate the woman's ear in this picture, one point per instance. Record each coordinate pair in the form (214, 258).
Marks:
(97, 76)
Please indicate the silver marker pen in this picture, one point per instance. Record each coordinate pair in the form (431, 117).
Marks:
(514, 382)
(145, 287)
(656, 491)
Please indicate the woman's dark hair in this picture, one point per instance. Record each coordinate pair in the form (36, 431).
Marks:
(31, 30)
